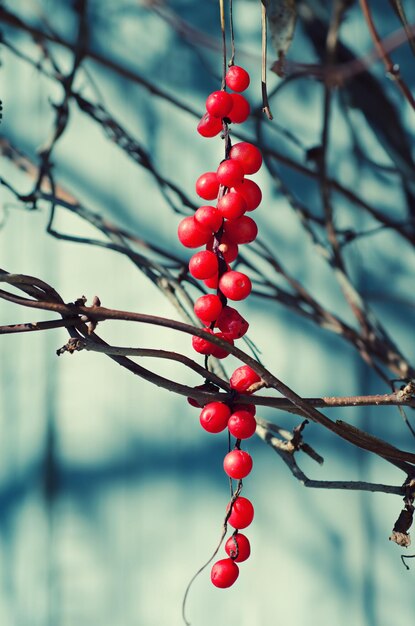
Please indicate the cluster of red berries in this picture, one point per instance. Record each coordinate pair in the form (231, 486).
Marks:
(223, 227)
(220, 229)
(240, 422)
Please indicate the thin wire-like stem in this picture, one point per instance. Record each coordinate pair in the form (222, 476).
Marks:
(204, 566)
(265, 104)
(232, 34)
(391, 67)
(223, 32)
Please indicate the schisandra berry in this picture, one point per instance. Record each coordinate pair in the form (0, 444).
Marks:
(224, 573)
(191, 234)
(235, 285)
(209, 126)
(212, 283)
(244, 407)
(209, 218)
(237, 78)
(231, 323)
(229, 250)
(248, 156)
(230, 173)
(238, 544)
(251, 192)
(208, 308)
(242, 424)
(214, 417)
(207, 186)
(219, 103)
(243, 378)
(240, 110)
(237, 464)
(202, 345)
(242, 513)
(242, 230)
(217, 351)
(232, 205)
(203, 264)
(206, 386)
(206, 347)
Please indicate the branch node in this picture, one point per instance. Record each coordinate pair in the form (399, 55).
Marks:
(73, 345)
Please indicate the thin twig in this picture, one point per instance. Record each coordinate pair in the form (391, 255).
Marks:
(392, 68)
(289, 459)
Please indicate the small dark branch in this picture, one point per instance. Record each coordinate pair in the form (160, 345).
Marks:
(407, 556)
(400, 532)
(34, 326)
(290, 442)
(62, 109)
(391, 68)
(397, 6)
(362, 439)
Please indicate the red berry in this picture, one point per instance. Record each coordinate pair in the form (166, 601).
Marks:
(194, 403)
(237, 464)
(191, 234)
(230, 173)
(209, 126)
(202, 345)
(219, 103)
(251, 192)
(248, 156)
(242, 424)
(238, 543)
(242, 230)
(212, 283)
(209, 218)
(207, 186)
(237, 78)
(214, 417)
(232, 205)
(229, 250)
(235, 285)
(207, 386)
(244, 407)
(208, 308)
(243, 378)
(240, 109)
(203, 264)
(242, 513)
(224, 573)
(232, 323)
(221, 353)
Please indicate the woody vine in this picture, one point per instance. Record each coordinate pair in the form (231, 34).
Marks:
(229, 403)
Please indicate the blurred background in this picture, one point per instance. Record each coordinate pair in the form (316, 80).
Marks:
(111, 496)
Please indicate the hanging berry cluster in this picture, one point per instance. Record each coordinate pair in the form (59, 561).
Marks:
(221, 228)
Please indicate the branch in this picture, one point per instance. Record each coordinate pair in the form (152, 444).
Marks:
(76, 345)
(94, 313)
(287, 456)
(392, 68)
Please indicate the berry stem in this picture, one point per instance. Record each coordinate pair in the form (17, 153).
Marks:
(232, 59)
(265, 104)
(223, 30)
